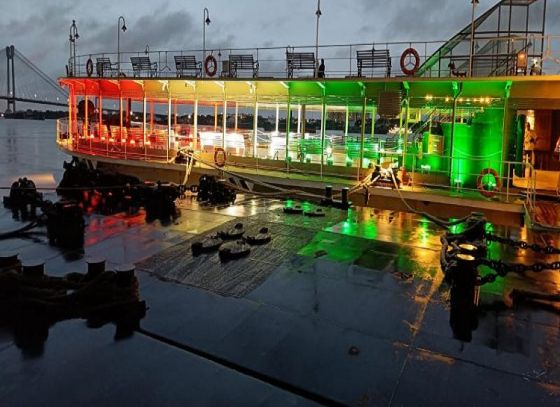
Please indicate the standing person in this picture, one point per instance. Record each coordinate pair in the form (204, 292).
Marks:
(321, 70)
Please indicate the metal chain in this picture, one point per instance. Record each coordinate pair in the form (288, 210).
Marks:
(519, 244)
(450, 251)
(502, 268)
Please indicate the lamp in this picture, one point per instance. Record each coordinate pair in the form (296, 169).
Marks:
(72, 38)
(521, 62)
(119, 28)
(318, 14)
(205, 21)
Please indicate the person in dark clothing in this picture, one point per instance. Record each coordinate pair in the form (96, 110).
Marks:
(321, 70)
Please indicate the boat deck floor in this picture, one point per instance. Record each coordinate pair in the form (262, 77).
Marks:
(350, 309)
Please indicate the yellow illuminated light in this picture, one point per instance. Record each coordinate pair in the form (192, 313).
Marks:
(429, 98)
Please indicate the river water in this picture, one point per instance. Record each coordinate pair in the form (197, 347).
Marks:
(28, 148)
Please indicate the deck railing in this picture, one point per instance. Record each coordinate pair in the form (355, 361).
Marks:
(459, 176)
(494, 56)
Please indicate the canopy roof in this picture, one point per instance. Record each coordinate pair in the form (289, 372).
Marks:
(333, 92)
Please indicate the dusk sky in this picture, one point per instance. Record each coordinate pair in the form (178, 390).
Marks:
(40, 28)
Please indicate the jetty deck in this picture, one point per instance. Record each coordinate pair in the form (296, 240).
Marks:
(347, 309)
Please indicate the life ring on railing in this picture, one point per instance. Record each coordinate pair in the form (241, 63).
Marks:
(220, 157)
(480, 185)
(210, 65)
(89, 67)
(406, 61)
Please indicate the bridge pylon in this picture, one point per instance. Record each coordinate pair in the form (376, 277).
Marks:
(11, 79)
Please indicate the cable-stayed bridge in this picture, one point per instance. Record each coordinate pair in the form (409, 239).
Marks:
(22, 81)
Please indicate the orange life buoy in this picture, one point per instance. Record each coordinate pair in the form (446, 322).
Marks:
(480, 186)
(220, 161)
(210, 65)
(406, 66)
(89, 67)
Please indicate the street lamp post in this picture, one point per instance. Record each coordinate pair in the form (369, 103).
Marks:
(474, 3)
(73, 37)
(205, 22)
(119, 28)
(318, 14)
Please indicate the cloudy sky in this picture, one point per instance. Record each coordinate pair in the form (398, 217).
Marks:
(39, 28)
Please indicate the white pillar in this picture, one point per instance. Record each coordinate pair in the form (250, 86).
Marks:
(87, 122)
(236, 114)
(299, 119)
(323, 125)
(277, 117)
(195, 124)
(215, 117)
(288, 125)
(168, 125)
(144, 125)
(255, 127)
(224, 125)
(346, 123)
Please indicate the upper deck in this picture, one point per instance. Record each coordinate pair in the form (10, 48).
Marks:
(508, 39)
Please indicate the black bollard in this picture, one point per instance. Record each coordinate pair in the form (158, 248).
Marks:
(344, 197)
(9, 260)
(125, 274)
(95, 267)
(462, 275)
(33, 268)
(328, 192)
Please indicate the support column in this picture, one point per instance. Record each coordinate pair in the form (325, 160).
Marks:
(255, 127)
(86, 119)
(152, 118)
(303, 120)
(236, 114)
(346, 123)
(299, 119)
(195, 124)
(373, 114)
(215, 117)
(144, 126)
(100, 117)
(168, 126)
(323, 125)
(277, 117)
(288, 128)
(362, 133)
(70, 114)
(120, 140)
(224, 125)
(406, 122)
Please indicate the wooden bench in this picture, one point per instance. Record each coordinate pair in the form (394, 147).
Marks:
(374, 59)
(143, 64)
(299, 60)
(104, 67)
(241, 63)
(187, 63)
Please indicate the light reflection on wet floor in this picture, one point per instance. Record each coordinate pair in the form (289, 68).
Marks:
(366, 278)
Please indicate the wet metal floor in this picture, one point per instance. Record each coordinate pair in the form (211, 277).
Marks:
(346, 309)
